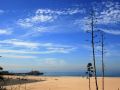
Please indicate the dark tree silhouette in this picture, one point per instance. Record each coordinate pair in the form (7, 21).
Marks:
(92, 20)
(89, 73)
(102, 53)
(1, 80)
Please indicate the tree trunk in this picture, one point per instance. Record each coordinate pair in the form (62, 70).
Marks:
(89, 84)
(102, 63)
(93, 50)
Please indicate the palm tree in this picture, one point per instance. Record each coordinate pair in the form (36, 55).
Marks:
(89, 73)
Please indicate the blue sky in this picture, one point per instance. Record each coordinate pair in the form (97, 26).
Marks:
(50, 35)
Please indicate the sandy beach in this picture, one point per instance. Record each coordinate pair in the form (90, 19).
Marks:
(63, 83)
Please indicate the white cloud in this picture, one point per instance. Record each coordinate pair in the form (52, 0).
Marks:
(83, 23)
(68, 11)
(46, 47)
(42, 29)
(26, 51)
(30, 22)
(18, 56)
(18, 51)
(113, 32)
(24, 23)
(27, 44)
(53, 62)
(40, 16)
(34, 23)
(42, 48)
(17, 43)
(39, 30)
(5, 32)
(110, 13)
(33, 52)
(61, 49)
(75, 11)
(1, 11)
(46, 15)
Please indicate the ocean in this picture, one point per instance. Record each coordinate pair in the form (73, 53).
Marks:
(107, 74)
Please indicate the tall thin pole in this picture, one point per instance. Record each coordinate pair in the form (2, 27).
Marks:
(93, 48)
(102, 36)
(89, 84)
(89, 79)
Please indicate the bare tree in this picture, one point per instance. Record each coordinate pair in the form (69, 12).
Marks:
(102, 53)
(92, 27)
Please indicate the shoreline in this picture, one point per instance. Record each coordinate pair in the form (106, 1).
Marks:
(63, 83)
(59, 76)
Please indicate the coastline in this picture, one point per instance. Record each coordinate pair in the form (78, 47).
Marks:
(64, 83)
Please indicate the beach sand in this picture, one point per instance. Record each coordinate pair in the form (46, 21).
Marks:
(65, 83)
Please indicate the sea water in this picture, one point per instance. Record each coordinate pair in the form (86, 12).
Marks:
(107, 74)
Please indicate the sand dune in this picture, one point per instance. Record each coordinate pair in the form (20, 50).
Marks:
(66, 83)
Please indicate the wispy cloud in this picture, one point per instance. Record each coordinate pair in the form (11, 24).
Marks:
(34, 45)
(106, 16)
(46, 15)
(61, 49)
(19, 43)
(5, 31)
(31, 47)
(18, 56)
(68, 11)
(113, 32)
(83, 23)
(1, 11)
(39, 30)
(58, 50)
(17, 51)
(53, 62)
(110, 13)
(41, 15)
(30, 22)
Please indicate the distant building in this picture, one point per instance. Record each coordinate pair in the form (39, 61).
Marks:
(35, 73)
